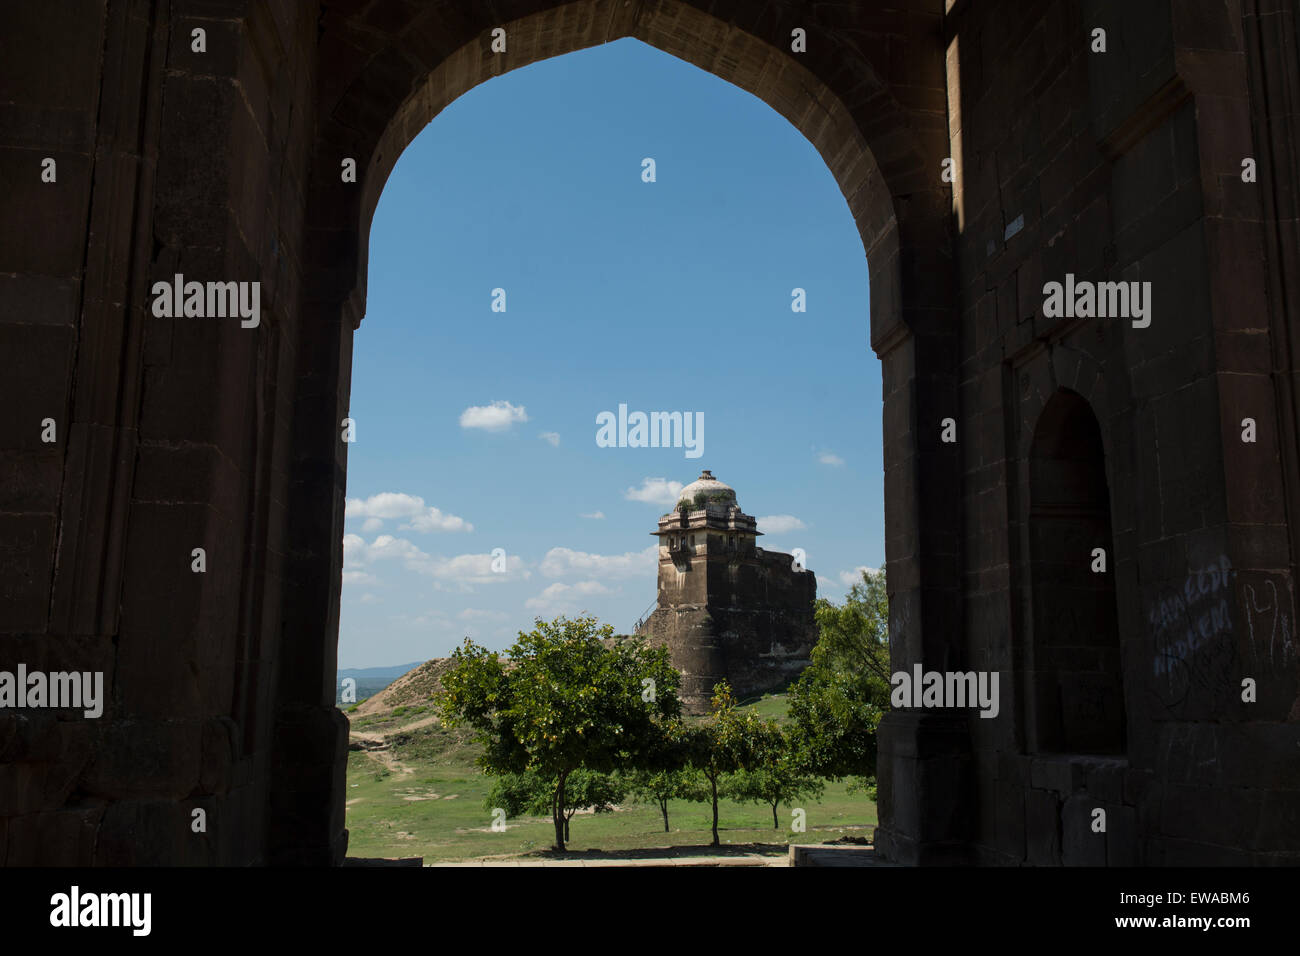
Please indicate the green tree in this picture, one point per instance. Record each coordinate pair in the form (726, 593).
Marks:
(661, 786)
(775, 777)
(837, 703)
(854, 637)
(727, 740)
(528, 794)
(520, 794)
(567, 696)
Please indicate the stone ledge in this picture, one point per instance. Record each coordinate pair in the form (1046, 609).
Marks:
(822, 855)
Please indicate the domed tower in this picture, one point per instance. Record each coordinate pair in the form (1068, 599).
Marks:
(727, 609)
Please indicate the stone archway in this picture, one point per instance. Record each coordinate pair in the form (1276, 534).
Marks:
(387, 81)
(205, 139)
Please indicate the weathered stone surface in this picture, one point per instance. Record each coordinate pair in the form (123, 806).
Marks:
(1122, 845)
(1081, 845)
(1061, 776)
(1116, 167)
(1042, 828)
(142, 832)
(73, 830)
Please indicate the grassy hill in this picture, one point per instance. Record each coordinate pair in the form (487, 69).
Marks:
(414, 790)
(402, 703)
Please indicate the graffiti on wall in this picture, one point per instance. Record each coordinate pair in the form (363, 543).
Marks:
(1196, 649)
(1192, 634)
(1268, 624)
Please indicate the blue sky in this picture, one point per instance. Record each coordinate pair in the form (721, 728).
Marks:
(476, 430)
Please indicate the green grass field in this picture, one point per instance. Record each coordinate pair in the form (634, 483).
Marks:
(769, 705)
(436, 810)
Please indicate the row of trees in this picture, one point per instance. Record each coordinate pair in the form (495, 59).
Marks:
(571, 719)
(773, 781)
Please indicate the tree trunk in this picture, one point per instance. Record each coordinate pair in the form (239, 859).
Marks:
(663, 806)
(775, 825)
(566, 829)
(713, 782)
(557, 815)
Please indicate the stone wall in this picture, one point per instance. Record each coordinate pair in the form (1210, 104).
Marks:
(176, 434)
(171, 435)
(1127, 165)
(742, 616)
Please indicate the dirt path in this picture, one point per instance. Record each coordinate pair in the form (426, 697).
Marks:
(376, 745)
(376, 742)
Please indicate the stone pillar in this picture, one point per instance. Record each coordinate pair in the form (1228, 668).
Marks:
(923, 774)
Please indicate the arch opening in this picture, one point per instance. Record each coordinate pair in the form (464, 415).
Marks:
(569, 192)
(1075, 694)
(373, 105)
(368, 122)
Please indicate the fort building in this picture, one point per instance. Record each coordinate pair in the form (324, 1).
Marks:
(727, 609)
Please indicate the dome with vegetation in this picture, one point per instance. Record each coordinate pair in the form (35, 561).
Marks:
(707, 490)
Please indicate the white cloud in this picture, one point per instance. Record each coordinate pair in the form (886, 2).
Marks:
(830, 458)
(386, 504)
(656, 491)
(434, 520)
(780, 524)
(493, 418)
(358, 554)
(850, 578)
(597, 515)
(563, 597)
(359, 577)
(463, 569)
(354, 550)
(560, 562)
(368, 598)
(552, 437)
(390, 505)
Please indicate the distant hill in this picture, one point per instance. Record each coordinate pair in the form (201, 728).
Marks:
(417, 686)
(370, 680)
(392, 672)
